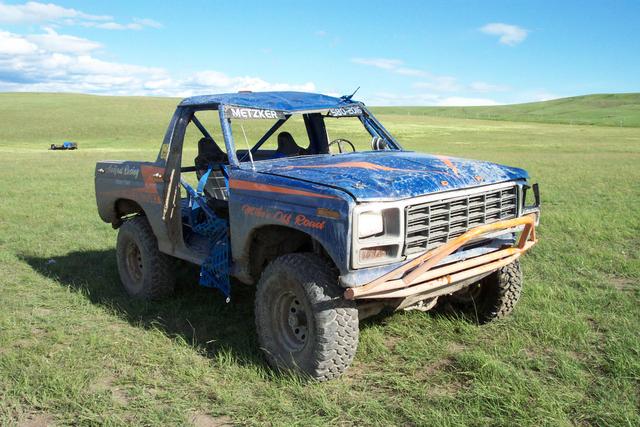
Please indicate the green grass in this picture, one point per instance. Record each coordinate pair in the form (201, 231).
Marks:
(74, 349)
(621, 109)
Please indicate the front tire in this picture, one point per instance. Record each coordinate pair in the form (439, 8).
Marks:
(493, 297)
(145, 272)
(303, 322)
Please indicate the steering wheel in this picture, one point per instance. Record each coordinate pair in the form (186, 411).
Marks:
(341, 142)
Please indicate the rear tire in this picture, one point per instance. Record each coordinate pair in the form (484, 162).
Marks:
(145, 272)
(303, 322)
(494, 297)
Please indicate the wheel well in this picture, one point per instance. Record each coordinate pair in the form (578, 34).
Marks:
(124, 208)
(272, 241)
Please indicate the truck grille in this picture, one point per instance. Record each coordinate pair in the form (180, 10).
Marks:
(429, 225)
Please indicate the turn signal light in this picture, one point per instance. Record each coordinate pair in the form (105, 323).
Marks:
(368, 254)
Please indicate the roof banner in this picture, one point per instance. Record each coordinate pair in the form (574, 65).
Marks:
(244, 113)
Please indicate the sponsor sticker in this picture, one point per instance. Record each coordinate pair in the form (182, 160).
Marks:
(252, 113)
(350, 111)
(125, 171)
(282, 217)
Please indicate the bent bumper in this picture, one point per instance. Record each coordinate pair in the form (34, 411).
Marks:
(419, 276)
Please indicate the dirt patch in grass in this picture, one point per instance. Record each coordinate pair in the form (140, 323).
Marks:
(623, 284)
(450, 388)
(356, 371)
(431, 372)
(200, 419)
(41, 311)
(391, 342)
(440, 364)
(23, 343)
(530, 353)
(37, 420)
(37, 332)
(118, 395)
(597, 329)
(115, 327)
(455, 348)
(31, 341)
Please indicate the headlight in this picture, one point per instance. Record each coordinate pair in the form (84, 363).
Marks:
(378, 234)
(370, 223)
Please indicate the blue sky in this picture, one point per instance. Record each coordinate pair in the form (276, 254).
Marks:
(398, 52)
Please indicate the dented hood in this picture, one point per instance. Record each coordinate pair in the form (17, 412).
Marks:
(387, 175)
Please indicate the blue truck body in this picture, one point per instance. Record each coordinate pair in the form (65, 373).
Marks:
(315, 195)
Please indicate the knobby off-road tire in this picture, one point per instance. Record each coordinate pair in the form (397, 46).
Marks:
(303, 322)
(493, 297)
(145, 272)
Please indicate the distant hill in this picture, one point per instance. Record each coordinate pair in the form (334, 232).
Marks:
(57, 117)
(620, 109)
(39, 117)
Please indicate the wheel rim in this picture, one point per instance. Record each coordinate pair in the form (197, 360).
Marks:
(134, 261)
(292, 322)
(469, 294)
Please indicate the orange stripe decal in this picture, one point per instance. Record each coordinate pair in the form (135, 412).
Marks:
(238, 184)
(449, 163)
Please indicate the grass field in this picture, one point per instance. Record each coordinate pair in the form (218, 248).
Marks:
(74, 349)
(606, 109)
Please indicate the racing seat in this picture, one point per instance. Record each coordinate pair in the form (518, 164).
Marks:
(210, 155)
(287, 146)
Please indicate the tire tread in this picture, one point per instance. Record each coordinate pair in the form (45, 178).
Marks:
(336, 319)
(159, 274)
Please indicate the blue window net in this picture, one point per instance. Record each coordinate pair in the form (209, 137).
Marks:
(214, 271)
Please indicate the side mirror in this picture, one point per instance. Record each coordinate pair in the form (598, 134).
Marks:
(378, 144)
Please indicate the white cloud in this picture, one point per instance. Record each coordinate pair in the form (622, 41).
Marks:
(385, 98)
(54, 42)
(508, 34)
(34, 12)
(216, 81)
(49, 13)
(414, 72)
(11, 44)
(460, 101)
(146, 22)
(55, 62)
(546, 96)
(382, 63)
(440, 84)
(430, 82)
(537, 95)
(437, 82)
(137, 24)
(117, 26)
(484, 87)
(394, 65)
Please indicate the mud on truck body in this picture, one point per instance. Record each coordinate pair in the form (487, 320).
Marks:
(331, 219)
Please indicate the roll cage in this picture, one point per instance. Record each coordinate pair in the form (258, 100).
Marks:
(313, 120)
(171, 152)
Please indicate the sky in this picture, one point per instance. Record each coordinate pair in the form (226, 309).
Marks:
(397, 52)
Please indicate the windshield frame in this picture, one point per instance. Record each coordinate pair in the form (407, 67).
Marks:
(368, 120)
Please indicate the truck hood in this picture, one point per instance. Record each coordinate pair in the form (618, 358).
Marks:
(385, 175)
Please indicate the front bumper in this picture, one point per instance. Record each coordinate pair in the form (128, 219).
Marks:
(423, 276)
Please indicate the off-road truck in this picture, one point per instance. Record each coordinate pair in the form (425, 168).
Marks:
(312, 199)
